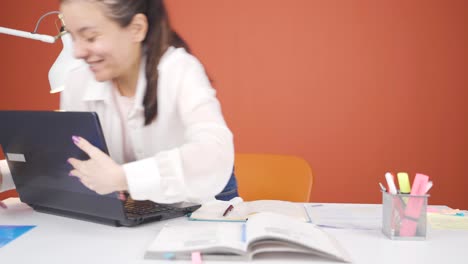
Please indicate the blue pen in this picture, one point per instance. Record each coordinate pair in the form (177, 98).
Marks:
(169, 255)
(243, 233)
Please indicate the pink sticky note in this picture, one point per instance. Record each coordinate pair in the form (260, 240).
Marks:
(408, 227)
(196, 257)
(431, 209)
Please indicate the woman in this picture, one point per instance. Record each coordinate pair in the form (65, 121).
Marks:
(159, 113)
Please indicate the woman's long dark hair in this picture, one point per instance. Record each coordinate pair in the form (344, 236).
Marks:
(159, 37)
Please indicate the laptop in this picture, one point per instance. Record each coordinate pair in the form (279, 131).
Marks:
(37, 145)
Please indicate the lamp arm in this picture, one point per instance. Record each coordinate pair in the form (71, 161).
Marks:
(65, 62)
(25, 34)
(34, 35)
(42, 17)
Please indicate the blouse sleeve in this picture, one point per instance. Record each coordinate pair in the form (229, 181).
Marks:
(7, 180)
(200, 168)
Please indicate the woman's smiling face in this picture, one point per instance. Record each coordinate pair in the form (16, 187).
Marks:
(107, 48)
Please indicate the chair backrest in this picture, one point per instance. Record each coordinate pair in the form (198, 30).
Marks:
(8, 194)
(273, 177)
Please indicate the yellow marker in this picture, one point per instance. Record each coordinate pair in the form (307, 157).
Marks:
(403, 182)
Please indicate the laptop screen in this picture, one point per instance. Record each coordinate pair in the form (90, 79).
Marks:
(37, 145)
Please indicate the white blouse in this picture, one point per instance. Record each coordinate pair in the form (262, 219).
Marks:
(186, 154)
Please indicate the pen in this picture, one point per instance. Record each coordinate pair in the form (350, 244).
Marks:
(382, 187)
(229, 209)
(243, 233)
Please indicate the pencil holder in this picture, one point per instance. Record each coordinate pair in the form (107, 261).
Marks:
(404, 216)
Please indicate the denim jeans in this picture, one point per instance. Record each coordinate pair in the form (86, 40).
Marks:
(230, 191)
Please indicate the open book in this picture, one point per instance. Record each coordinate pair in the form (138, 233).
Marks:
(262, 233)
(241, 211)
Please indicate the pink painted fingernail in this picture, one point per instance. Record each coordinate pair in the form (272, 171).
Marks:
(76, 139)
(70, 174)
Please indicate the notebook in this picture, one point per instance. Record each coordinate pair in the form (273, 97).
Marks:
(37, 145)
(237, 210)
(263, 234)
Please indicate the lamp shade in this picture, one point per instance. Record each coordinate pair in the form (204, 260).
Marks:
(63, 65)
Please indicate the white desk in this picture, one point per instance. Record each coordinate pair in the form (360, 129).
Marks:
(63, 240)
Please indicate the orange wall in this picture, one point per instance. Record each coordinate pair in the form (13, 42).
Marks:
(357, 88)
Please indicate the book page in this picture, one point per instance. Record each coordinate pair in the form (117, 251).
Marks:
(346, 216)
(294, 210)
(214, 210)
(207, 237)
(268, 228)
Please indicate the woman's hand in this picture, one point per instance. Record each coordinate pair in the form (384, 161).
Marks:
(2, 204)
(100, 173)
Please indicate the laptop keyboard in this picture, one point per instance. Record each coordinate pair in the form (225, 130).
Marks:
(145, 207)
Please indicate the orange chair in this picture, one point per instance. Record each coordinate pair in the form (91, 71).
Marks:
(273, 177)
(8, 194)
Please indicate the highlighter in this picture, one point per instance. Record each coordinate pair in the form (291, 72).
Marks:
(390, 183)
(415, 204)
(403, 182)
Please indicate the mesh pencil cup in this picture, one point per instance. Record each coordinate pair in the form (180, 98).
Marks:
(404, 216)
